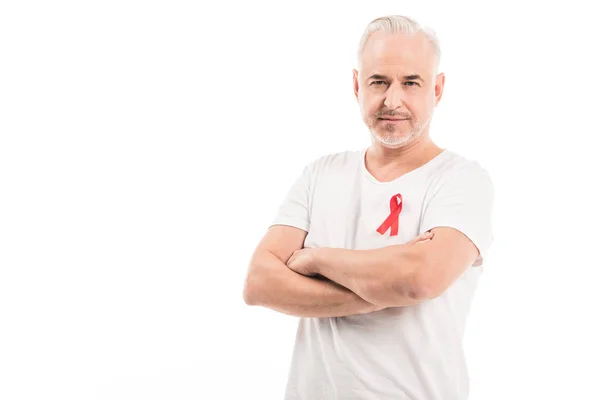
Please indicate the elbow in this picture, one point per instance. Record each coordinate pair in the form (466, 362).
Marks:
(406, 286)
(424, 287)
(249, 298)
(410, 290)
(394, 292)
(259, 279)
(251, 291)
(426, 284)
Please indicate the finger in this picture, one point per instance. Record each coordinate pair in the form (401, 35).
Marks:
(426, 236)
(422, 237)
(291, 259)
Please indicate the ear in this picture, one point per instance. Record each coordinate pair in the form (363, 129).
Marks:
(355, 79)
(440, 81)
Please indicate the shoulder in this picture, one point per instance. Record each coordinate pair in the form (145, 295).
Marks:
(456, 167)
(456, 176)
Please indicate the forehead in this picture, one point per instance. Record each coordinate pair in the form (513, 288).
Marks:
(397, 51)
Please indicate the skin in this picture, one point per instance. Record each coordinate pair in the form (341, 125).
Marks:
(397, 88)
(271, 284)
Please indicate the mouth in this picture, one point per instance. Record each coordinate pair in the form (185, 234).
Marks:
(394, 119)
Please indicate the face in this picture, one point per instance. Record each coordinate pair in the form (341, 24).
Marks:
(397, 87)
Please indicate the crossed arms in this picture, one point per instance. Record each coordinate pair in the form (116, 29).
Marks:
(331, 282)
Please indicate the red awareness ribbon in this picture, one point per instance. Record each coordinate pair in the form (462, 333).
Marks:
(392, 219)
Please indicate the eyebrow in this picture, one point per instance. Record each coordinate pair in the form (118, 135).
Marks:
(413, 77)
(377, 77)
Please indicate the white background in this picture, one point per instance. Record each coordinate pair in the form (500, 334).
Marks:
(145, 147)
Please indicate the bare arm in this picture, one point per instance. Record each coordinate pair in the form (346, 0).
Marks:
(386, 276)
(397, 275)
(270, 283)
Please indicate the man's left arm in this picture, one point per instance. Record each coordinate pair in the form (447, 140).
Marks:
(398, 275)
(459, 217)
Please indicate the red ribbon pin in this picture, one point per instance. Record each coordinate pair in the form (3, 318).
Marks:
(392, 219)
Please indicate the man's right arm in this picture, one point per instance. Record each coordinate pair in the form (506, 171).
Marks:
(270, 283)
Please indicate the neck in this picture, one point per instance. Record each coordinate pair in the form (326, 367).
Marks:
(408, 154)
(386, 164)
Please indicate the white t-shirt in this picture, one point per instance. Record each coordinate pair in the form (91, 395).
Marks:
(399, 353)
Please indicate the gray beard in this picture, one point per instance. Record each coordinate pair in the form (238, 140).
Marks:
(391, 141)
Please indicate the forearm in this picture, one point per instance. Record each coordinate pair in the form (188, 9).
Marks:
(384, 276)
(275, 286)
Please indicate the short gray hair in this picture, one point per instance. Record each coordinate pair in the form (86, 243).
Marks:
(393, 24)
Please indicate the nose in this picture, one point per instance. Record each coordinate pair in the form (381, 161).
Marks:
(393, 98)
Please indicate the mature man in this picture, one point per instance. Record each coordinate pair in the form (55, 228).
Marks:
(379, 250)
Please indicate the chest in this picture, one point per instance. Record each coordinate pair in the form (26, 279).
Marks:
(353, 213)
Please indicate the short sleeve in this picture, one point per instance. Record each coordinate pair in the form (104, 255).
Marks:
(464, 201)
(294, 210)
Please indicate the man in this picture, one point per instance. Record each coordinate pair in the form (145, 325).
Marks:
(379, 250)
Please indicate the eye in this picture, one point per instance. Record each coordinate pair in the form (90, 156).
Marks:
(378, 83)
(411, 83)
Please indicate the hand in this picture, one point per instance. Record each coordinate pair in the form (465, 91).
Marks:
(422, 238)
(303, 262)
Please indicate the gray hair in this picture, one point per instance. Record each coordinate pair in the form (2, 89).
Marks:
(393, 24)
